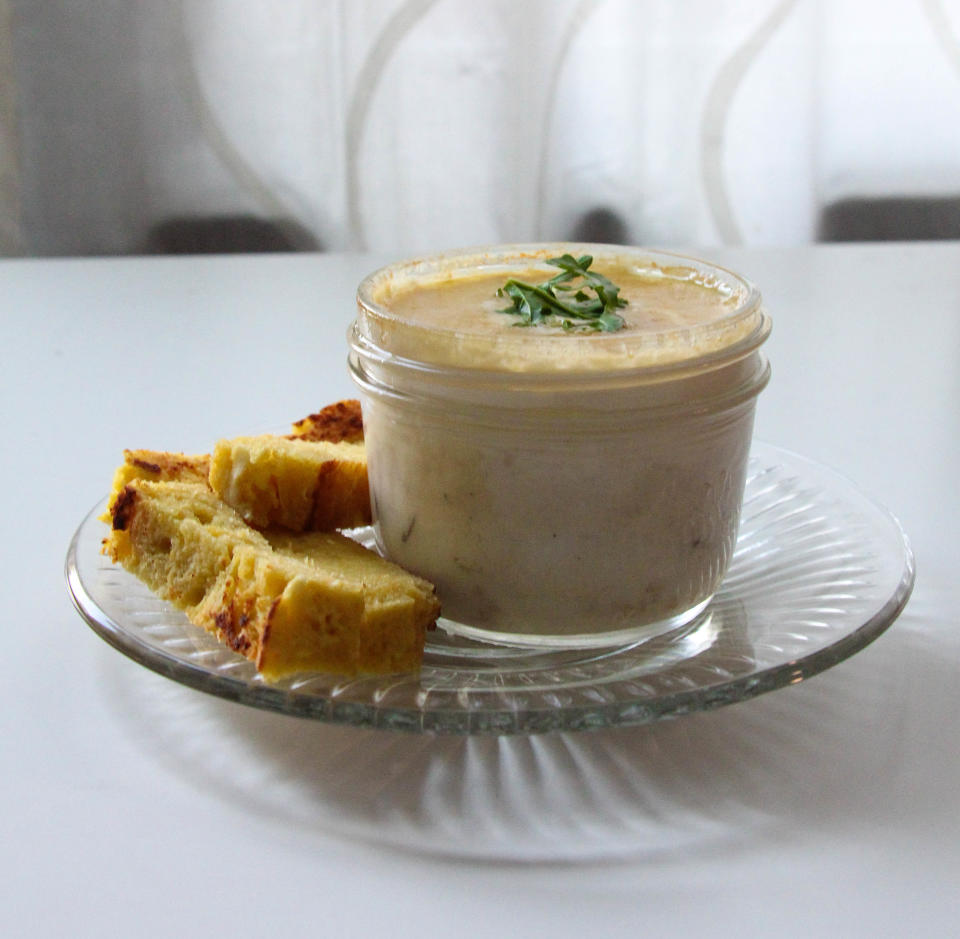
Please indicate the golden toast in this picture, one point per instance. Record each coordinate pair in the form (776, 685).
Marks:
(314, 479)
(243, 541)
(302, 485)
(289, 602)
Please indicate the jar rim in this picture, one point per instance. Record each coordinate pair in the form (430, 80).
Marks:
(514, 405)
(655, 354)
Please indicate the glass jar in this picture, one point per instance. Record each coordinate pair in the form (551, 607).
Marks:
(558, 487)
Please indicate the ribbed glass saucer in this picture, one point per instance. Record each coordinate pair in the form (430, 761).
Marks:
(819, 571)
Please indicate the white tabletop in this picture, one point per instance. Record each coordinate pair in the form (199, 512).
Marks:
(135, 806)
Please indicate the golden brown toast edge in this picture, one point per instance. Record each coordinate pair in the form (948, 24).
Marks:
(341, 421)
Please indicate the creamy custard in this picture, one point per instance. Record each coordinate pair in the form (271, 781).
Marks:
(657, 299)
(559, 486)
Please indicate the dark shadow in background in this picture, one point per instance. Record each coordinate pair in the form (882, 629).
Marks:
(601, 226)
(229, 234)
(902, 218)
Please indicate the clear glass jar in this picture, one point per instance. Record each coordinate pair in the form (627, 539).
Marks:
(560, 489)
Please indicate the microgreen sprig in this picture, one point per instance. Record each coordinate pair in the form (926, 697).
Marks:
(575, 299)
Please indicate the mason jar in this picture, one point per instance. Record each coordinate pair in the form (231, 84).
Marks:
(559, 484)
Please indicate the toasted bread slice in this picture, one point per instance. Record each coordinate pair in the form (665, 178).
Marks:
(301, 485)
(398, 606)
(315, 479)
(320, 602)
(156, 466)
(313, 602)
(176, 537)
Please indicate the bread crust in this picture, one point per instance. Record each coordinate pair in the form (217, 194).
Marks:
(315, 602)
(338, 422)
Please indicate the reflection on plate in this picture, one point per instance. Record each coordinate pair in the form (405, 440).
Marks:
(819, 571)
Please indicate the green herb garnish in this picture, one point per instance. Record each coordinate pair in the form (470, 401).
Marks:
(575, 299)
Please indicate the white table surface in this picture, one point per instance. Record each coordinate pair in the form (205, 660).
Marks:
(134, 806)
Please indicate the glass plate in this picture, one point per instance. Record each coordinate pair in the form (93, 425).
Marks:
(819, 571)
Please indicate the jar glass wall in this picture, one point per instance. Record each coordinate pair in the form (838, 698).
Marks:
(556, 489)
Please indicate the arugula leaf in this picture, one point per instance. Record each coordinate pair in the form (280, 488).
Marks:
(550, 303)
